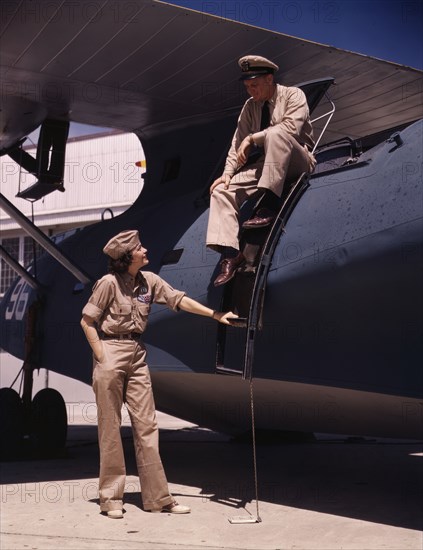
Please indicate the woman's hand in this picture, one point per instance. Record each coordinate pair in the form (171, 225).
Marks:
(224, 317)
(92, 337)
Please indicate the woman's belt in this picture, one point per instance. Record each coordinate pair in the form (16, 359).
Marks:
(127, 336)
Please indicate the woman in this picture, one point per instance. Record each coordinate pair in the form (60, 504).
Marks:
(113, 321)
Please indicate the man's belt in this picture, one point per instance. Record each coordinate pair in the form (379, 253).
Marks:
(127, 336)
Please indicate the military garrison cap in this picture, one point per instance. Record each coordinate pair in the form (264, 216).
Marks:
(253, 66)
(125, 241)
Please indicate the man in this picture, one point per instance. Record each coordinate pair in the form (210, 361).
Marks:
(113, 320)
(272, 144)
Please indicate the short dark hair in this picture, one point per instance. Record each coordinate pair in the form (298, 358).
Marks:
(120, 265)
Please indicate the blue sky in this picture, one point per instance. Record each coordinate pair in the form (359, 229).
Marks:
(387, 29)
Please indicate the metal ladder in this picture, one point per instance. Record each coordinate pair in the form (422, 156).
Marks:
(252, 323)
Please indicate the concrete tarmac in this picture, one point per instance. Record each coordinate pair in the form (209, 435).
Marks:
(332, 493)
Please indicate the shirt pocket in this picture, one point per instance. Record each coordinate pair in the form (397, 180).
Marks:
(142, 309)
(121, 313)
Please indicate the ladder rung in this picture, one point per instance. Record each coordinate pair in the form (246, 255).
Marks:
(240, 322)
(225, 370)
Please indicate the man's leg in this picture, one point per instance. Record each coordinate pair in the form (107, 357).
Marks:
(285, 161)
(223, 227)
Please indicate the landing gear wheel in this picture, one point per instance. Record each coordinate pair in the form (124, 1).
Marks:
(12, 424)
(49, 423)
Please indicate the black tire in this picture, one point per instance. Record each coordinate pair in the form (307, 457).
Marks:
(11, 424)
(49, 423)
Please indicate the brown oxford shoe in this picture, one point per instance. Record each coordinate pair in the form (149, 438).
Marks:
(263, 217)
(228, 268)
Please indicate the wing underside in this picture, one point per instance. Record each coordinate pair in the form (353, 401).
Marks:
(145, 65)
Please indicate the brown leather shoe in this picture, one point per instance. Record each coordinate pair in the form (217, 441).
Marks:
(228, 268)
(262, 218)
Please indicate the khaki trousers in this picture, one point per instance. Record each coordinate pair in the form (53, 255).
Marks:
(123, 375)
(284, 159)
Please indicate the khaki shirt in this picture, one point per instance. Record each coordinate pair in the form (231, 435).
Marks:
(121, 303)
(288, 112)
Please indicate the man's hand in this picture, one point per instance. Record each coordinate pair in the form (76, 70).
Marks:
(244, 150)
(225, 179)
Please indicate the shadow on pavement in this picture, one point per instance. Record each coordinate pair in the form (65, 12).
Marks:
(377, 481)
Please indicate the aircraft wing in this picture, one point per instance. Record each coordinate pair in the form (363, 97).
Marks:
(342, 351)
(144, 65)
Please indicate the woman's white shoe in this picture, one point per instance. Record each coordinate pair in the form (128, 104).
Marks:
(174, 508)
(115, 514)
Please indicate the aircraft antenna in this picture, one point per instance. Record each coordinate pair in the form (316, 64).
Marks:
(251, 518)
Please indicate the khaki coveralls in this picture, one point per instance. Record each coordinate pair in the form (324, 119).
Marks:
(120, 306)
(287, 143)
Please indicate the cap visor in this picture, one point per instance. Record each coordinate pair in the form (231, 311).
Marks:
(250, 76)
